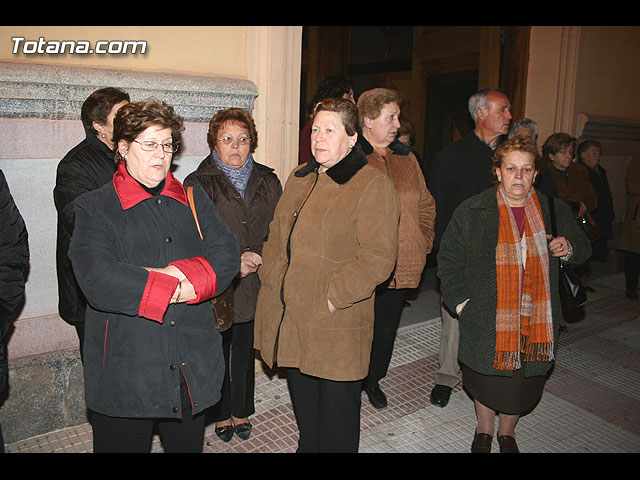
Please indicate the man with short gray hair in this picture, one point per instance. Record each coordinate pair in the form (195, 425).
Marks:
(461, 170)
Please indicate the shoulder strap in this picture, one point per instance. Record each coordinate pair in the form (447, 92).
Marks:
(193, 208)
(552, 212)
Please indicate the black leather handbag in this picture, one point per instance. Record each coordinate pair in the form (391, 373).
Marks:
(572, 292)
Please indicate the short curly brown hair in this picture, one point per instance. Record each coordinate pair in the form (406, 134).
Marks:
(555, 143)
(515, 144)
(232, 115)
(134, 118)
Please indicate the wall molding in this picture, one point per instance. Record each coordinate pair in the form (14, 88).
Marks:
(603, 127)
(57, 92)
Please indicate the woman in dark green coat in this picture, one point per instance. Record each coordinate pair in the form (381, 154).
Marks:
(498, 267)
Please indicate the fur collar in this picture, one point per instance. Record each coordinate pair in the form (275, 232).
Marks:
(341, 172)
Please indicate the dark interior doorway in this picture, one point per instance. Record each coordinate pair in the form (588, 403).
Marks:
(447, 116)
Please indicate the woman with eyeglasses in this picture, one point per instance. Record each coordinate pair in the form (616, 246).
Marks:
(245, 193)
(571, 183)
(570, 179)
(148, 266)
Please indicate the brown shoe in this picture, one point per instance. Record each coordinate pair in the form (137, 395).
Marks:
(481, 443)
(507, 444)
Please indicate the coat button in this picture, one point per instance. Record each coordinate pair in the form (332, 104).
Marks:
(172, 367)
(168, 239)
(172, 323)
(158, 201)
(174, 409)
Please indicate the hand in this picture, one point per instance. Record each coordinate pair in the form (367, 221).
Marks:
(559, 246)
(249, 263)
(184, 292)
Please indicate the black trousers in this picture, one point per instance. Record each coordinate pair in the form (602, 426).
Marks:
(631, 270)
(134, 435)
(388, 310)
(237, 395)
(327, 413)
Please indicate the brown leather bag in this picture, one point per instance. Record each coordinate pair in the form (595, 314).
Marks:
(222, 305)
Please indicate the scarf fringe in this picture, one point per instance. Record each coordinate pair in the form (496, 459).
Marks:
(529, 352)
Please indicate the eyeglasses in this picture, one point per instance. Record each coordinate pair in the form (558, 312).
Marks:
(153, 146)
(228, 140)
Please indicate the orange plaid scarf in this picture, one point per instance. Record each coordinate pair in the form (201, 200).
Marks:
(523, 320)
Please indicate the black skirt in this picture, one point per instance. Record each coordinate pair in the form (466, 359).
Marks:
(514, 395)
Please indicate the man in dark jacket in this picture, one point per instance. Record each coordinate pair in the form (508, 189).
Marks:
(86, 167)
(14, 260)
(460, 170)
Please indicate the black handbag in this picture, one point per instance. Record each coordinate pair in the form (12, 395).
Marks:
(572, 292)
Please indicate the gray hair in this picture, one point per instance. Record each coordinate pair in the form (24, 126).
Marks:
(525, 123)
(479, 100)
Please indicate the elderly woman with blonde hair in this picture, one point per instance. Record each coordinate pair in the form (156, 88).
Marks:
(379, 114)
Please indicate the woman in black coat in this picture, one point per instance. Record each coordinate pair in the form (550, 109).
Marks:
(588, 153)
(148, 267)
(86, 167)
(14, 260)
(245, 193)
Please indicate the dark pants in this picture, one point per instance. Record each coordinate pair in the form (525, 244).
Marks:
(134, 435)
(631, 270)
(239, 376)
(327, 412)
(388, 310)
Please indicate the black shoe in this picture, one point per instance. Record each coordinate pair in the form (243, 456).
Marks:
(440, 395)
(224, 433)
(376, 396)
(243, 430)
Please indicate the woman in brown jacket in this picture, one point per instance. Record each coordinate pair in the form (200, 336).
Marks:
(571, 182)
(334, 237)
(571, 179)
(245, 194)
(379, 111)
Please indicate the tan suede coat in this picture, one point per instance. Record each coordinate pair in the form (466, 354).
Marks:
(418, 211)
(334, 237)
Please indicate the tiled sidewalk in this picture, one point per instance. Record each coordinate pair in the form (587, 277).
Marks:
(591, 402)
